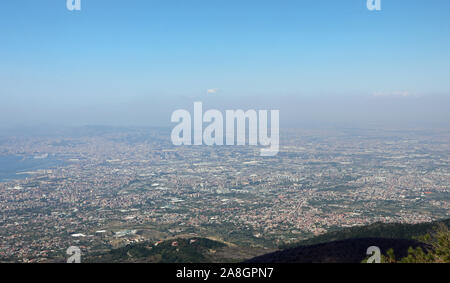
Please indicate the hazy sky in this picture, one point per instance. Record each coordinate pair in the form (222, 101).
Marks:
(125, 62)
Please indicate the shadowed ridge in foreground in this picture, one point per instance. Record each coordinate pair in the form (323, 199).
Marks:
(344, 251)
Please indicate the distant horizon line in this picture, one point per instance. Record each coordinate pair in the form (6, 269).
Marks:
(336, 125)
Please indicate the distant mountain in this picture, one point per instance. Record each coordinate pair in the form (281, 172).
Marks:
(350, 245)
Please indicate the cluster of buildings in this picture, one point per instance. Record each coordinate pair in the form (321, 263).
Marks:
(129, 185)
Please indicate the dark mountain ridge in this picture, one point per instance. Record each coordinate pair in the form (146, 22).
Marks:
(375, 230)
(350, 245)
(343, 251)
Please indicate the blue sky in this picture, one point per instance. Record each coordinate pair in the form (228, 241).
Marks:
(132, 62)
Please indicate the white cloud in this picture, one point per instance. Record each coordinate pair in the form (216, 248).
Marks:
(392, 93)
(212, 90)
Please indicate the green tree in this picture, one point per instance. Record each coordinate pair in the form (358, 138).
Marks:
(438, 251)
(389, 257)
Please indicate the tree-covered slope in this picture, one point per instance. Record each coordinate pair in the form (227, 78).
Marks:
(376, 230)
